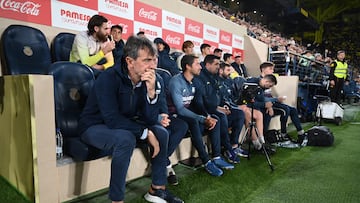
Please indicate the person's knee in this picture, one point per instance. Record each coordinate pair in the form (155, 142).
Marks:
(161, 134)
(122, 137)
(180, 126)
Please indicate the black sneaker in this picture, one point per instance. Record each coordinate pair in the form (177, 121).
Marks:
(300, 138)
(284, 137)
(161, 196)
(172, 179)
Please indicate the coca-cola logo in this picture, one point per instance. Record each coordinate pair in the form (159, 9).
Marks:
(225, 38)
(194, 28)
(26, 7)
(118, 3)
(124, 27)
(173, 20)
(151, 15)
(211, 32)
(173, 40)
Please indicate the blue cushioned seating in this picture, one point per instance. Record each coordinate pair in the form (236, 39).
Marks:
(25, 51)
(72, 83)
(61, 46)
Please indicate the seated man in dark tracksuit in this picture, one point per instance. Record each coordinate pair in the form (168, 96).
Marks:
(259, 101)
(176, 127)
(233, 118)
(122, 109)
(187, 104)
(280, 108)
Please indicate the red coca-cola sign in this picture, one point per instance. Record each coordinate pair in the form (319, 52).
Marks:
(238, 52)
(193, 28)
(90, 4)
(35, 11)
(174, 39)
(127, 25)
(147, 14)
(225, 38)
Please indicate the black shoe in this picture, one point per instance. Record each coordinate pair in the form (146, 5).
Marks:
(159, 195)
(284, 137)
(172, 179)
(300, 138)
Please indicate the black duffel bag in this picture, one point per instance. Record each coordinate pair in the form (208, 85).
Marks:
(319, 136)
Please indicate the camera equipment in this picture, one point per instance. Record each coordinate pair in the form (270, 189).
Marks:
(249, 92)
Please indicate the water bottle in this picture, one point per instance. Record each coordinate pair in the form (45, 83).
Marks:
(59, 144)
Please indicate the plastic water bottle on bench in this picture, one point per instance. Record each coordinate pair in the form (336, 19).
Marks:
(59, 144)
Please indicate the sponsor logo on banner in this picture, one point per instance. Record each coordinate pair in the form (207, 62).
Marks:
(70, 16)
(123, 8)
(151, 31)
(213, 45)
(35, 11)
(127, 25)
(196, 40)
(193, 28)
(211, 33)
(238, 42)
(174, 39)
(147, 14)
(90, 4)
(172, 21)
(238, 52)
(225, 38)
(225, 48)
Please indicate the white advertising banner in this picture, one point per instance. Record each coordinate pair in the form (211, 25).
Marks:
(173, 22)
(211, 33)
(225, 48)
(122, 9)
(69, 16)
(151, 31)
(238, 42)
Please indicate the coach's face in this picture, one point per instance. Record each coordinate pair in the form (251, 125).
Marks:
(144, 64)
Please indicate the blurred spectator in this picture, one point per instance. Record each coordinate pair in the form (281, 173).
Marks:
(218, 52)
(187, 48)
(116, 33)
(239, 66)
(164, 60)
(141, 34)
(205, 50)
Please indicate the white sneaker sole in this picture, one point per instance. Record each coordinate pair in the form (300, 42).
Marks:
(155, 199)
